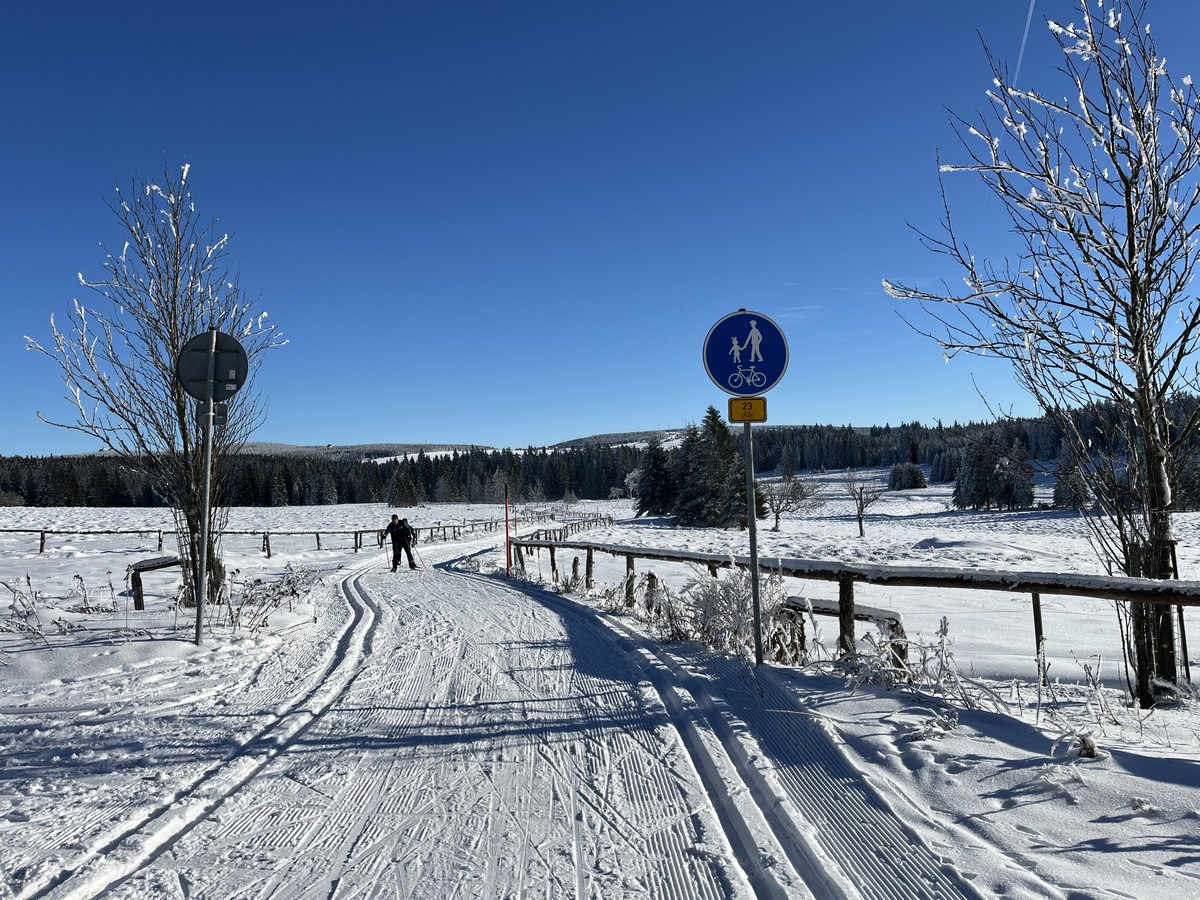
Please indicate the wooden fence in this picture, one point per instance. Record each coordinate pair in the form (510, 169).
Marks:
(425, 533)
(1139, 590)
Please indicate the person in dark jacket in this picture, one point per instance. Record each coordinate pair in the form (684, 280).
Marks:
(402, 536)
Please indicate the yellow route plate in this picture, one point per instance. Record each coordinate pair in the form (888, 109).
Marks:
(747, 409)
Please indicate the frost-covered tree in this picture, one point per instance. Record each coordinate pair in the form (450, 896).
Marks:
(166, 284)
(906, 476)
(971, 483)
(1070, 490)
(864, 493)
(1092, 305)
(402, 492)
(944, 465)
(726, 474)
(790, 494)
(991, 474)
(654, 489)
(710, 475)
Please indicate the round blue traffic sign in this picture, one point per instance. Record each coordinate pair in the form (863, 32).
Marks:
(745, 354)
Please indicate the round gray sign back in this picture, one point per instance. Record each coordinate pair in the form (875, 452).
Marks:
(230, 366)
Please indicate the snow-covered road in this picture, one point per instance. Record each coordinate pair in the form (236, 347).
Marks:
(444, 734)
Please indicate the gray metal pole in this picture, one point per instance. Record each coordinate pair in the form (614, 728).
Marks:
(751, 509)
(202, 588)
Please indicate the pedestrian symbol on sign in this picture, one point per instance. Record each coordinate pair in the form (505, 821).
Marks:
(745, 353)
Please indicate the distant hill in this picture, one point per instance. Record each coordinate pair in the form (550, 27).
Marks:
(388, 451)
(621, 439)
(355, 451)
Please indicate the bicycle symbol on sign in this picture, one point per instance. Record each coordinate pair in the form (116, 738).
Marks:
(749, 376)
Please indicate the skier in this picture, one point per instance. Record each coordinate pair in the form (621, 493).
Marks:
(402, 536)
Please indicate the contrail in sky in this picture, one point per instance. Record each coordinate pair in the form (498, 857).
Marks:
(1024, 38)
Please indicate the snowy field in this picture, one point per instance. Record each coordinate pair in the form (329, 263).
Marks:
(452, 733)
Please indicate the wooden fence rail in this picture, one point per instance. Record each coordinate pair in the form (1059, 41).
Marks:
(425, 533)
(1122, 589)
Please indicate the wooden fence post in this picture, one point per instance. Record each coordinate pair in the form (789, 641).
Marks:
(898, 642)
(267, 543)
(42, 547)
(139, 600)
(629, 576)
(317, 535)
(846, 640)
(160, 542)
(589, 570)
(553, 566)
(575, 572)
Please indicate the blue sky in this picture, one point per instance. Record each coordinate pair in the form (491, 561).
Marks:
(513, 223)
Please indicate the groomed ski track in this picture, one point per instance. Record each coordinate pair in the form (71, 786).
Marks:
(464, 736)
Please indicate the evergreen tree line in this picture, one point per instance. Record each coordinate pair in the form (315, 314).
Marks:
(702, 480)
(787, 449)
(473, 475)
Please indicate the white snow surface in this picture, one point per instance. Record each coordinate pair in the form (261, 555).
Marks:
(451, 732)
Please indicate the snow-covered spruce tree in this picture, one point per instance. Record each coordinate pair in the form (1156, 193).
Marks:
(710, 475)
(906, 476)
(945, 465)
(168, 283)
(1070, 490)
(1093, 305)
(726, 476)
(654, 488)
(692, 500)
(971, 480)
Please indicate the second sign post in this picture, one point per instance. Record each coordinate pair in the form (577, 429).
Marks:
(746, 354)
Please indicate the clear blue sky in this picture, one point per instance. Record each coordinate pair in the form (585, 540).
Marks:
(513, 222)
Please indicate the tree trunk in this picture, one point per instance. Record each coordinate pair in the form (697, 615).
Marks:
(1152, 627)
(189, 545)
(847, 642)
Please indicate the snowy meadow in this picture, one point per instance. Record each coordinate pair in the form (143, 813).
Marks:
(990, 769)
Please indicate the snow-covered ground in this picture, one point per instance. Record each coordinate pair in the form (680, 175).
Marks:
(451, 733)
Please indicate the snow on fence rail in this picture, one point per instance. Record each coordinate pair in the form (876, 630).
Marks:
(1120, 588)
(567, 529)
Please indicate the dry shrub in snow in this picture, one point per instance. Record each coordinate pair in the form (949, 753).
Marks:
(252, 608)
(22, 615)
(721, 613)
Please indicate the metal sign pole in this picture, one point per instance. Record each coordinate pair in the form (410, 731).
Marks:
(202, 588)
(745, 354)
(507, 539)
(751, 510)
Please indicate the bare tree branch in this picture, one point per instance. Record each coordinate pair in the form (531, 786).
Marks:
(1093, 307)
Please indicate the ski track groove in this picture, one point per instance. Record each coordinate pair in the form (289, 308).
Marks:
(353, 802)
(820, 784)
(152, 833)
(650, 784)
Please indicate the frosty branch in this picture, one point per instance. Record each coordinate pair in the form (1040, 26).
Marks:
(1091, 303)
